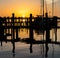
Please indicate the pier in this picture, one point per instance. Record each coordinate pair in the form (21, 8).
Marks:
(9, 26)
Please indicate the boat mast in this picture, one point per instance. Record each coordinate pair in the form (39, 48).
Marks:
(43, 8)
(52, 7)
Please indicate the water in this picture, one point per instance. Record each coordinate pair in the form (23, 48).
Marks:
(22, 50)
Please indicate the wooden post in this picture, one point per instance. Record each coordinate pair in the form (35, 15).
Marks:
(55, 26)
(13, 26)
(55, 34)
(47, 29)
(31, 34)
(1, 30)
(56, 29)
(31, 28)
(13, 35)
(47, 35)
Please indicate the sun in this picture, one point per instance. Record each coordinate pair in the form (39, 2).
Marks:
(24, 13)
(23, 16)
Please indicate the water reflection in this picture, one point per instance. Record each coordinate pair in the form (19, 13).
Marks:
(45, 48)
(37, 50)
(31, 48)
(13, 51)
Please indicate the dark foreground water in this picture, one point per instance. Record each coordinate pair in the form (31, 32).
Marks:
(22, 50)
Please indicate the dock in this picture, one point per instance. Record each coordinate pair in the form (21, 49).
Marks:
(9, 26)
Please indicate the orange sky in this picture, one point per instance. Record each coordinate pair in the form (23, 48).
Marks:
(25, 7)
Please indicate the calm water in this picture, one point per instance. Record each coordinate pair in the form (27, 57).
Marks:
(22, 49)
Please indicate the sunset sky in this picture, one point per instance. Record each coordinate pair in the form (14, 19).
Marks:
(25, 7)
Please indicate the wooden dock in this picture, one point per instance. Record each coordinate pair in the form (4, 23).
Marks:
(9, 26)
